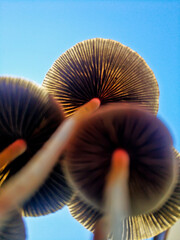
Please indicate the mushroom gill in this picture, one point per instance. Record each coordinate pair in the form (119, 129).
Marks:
(105, 69)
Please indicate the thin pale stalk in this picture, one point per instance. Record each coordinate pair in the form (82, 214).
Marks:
(117, 193)
(101, 230)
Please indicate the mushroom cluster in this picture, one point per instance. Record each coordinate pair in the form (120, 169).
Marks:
(88, 137)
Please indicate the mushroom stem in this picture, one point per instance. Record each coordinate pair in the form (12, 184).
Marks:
(117, 193)
(101, 230)
(22, 185)
(13, 151)
(87, 109)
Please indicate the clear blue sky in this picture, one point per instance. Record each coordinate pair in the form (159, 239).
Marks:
(33, 34)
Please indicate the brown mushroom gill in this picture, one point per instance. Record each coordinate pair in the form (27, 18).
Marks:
(83, 212)
(28, 112)
(105, 69)
(152, 165)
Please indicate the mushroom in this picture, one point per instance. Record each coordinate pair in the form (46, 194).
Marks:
(105, 69)
(122, 162)
(19, 188)
(28, 112)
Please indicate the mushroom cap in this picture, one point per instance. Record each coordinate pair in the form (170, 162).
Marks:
(13, 228)
(83, 212)
(146, 140)
(139, 227)
(30, 113)
(105, 69)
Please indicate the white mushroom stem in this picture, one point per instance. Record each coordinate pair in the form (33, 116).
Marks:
(117, 193)
(22, 185)
(13, 151)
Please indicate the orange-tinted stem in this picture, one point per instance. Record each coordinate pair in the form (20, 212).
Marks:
(13, 151)
(119, 166)
(117, 193)
(101, 229)
(87, 108)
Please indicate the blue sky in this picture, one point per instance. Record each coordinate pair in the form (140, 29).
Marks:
(35, 33)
